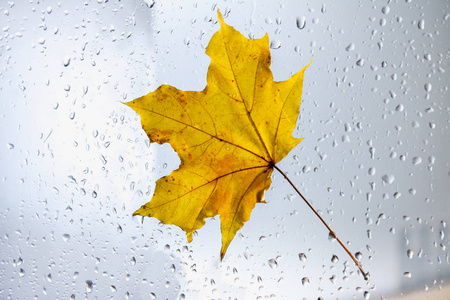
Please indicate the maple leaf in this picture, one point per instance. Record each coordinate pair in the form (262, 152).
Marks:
(229, 136)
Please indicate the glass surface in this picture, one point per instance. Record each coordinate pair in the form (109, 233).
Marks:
(75, 163)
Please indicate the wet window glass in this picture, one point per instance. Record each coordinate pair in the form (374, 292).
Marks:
(75, 163)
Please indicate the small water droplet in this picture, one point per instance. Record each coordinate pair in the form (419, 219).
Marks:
(305, 281)
(66, 237)
(273, 263)
(427, 87)
(416, 160)
(358, 255)
(275, 44)
(410, 253)
(407, 274)
(334, 259)
(301, 22)
(366, 295)
(66, 61)
(89, 286)
(172, 268)
(385, 10)
(388, 179)
(421, 24)
(302, 257)
(350, 47)
(133, 261)
(150, 3)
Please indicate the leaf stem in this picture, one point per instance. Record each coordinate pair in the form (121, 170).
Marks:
(332, 233)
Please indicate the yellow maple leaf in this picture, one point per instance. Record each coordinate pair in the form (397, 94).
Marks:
(229, 136)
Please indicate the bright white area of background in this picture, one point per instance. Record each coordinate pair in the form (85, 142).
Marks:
(75, 164)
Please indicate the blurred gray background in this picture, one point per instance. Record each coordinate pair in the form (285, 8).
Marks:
(75, 164)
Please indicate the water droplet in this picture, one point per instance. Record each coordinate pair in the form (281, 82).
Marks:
(388, 179)
(10, 146)
(187, 41)
(360, 62)
(275, 44)
(89, 286)
(119, 229)
(66, 61)
(372, 171)
(407, 274)
(72, 115)
(358, 255)
(301, 22)
(366, 295)
(172, 268)
(150, 3)
(66, 237)
(113, 289)
(350, 47)
(273, 263)
(416, 160)
(21, 272)
(428, 87)
(421, 24)
(334, 259)
(410, 253)
(164, 165)
(385, 10)
(305, 281)
(302, 257)
(400, 107)
(133, 261)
